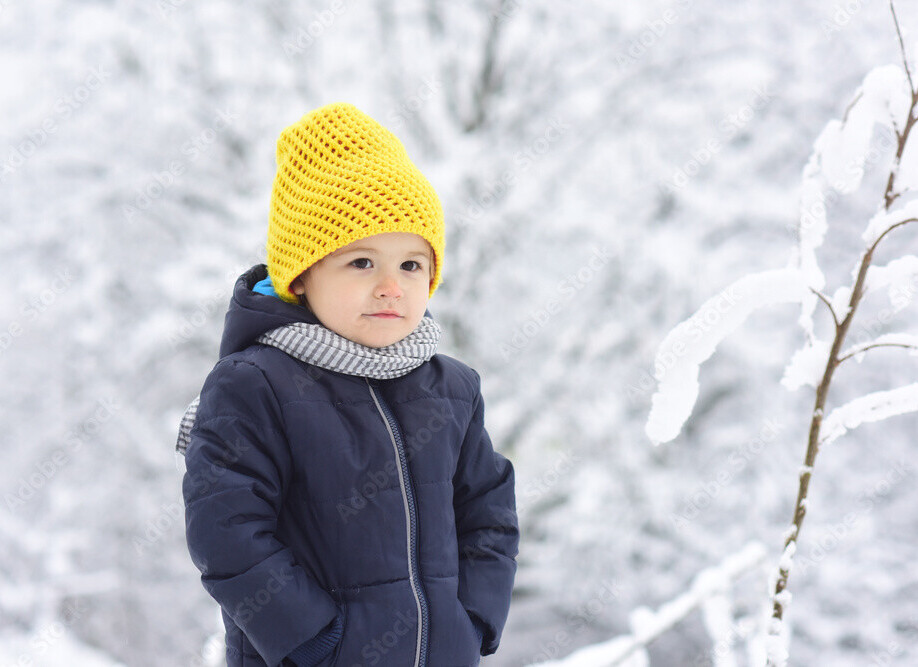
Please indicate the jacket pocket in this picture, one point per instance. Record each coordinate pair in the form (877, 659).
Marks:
(332, 658)
(471, 632)
(250, 657)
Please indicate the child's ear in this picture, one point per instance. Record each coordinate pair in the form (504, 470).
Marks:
(298, 286)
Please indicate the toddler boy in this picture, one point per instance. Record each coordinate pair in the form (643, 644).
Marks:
(343, 501)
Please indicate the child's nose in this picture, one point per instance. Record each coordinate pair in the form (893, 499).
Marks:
(388, 288)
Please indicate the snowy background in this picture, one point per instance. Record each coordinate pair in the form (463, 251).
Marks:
(605, 169)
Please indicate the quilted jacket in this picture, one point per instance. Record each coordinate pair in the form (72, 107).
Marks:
(353, 520)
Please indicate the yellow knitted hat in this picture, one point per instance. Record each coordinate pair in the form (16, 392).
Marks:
(341, 176)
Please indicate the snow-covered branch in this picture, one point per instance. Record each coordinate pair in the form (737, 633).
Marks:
(693, 341)
(899, 278)
(885, 221)
(870, 408)
(907, 341)
(841, 155)
(708, 590)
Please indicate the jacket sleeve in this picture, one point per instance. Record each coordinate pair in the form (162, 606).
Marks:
(238, 468)
(487, 530)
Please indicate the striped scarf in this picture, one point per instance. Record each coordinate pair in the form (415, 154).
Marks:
(321, 347)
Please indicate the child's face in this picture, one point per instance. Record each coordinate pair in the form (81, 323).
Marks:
(351, 290)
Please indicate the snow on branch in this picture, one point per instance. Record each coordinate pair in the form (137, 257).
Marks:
(884, 221)
(884, 98)
(870, 408)
(807, 365)
(646, 625)
(693, 341)
(899, 278)
(908, 341)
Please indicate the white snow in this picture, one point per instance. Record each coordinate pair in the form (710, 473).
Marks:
(647, 625)
(870, 408)
(52, 646)
(807, 366)
(843, 145)
(840, 300)
(787, 557)
(777, 641)
(717, 613)
(813, 226)
(881, 222)
(909, 342)
(144, 311)
(811, 232)
(838, 161)
(899, 278)
(693, 341)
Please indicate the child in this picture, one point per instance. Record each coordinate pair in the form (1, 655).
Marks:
(342, 498)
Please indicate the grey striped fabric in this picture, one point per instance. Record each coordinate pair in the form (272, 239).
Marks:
(322, 347)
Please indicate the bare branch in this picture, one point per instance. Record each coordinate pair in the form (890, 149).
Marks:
(892, 8)
(891, 195)
(891, 227)
(825, 300)
(850, 106)
(873, 345)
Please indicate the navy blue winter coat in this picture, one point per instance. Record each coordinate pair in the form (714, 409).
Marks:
(369, 520)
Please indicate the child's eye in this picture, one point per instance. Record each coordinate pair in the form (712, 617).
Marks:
(411, 265)
(357, 261)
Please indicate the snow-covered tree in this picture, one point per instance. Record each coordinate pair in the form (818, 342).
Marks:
(887, 101)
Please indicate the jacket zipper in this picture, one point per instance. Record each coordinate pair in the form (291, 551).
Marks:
(411, 517)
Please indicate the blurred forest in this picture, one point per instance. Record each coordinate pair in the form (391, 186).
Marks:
(604, 168)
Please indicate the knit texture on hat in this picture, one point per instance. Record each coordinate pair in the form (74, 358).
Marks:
(341, 177)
